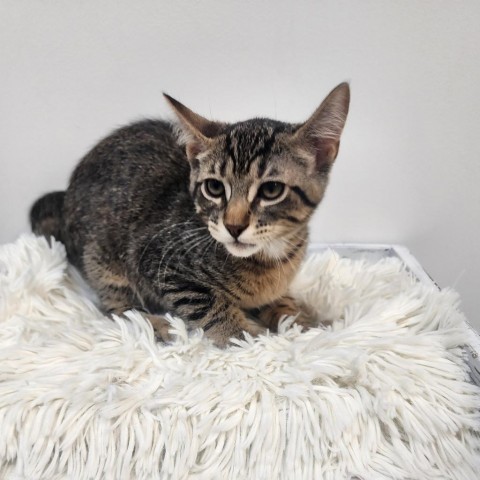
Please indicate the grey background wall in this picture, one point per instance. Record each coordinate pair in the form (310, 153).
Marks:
(408, 170)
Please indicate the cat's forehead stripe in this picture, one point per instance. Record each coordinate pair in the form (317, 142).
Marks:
(248, 141)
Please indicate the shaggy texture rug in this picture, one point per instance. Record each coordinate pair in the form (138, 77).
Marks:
(381, 393)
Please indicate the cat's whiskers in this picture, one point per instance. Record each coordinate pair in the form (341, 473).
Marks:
(171, 244)
(196, 243)
(287, 257)
(216, 247)
(287, 241)
(227, 257)
(209, 244)
(191, 236)
(277, 264)
(294, 236)
(159, 233)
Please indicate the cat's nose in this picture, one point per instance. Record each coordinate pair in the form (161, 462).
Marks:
(236, 230)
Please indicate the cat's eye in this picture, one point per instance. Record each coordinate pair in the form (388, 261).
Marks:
(214, 187)
(271, 190)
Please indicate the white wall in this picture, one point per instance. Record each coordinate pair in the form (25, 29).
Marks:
(408, 170)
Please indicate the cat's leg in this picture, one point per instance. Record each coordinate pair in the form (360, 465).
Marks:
(109, 282)
(161, 326)
(116, 293)
(116, 300)
(216, 314)
(200, 299)
(227, 321)
(269, 315)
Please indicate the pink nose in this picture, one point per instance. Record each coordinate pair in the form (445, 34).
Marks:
(236, 230)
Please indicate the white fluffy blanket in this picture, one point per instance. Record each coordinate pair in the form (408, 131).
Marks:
(382, 393)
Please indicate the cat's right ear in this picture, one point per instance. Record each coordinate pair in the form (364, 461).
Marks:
(196, 131)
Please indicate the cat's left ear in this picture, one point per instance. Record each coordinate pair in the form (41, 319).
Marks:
(321, 132)
(196, 131)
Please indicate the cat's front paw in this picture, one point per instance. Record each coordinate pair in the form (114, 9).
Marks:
(252, 327)
(305, 319)
(270, 315)
(232, 326)
(161, 327)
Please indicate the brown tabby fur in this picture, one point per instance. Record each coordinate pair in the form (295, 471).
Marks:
(206, 220)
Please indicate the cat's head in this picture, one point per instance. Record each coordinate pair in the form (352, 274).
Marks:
(256, 183)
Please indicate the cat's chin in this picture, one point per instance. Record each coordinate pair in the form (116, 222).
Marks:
(242, 250)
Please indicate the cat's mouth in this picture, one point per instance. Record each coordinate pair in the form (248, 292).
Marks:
(241, 249)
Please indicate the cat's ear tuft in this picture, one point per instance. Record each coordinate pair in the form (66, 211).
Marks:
(321, 132)
(195, 131)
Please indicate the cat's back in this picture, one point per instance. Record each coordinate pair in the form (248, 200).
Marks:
(144, 148)
(123, 181)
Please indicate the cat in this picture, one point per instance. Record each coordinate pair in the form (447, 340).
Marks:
(203, 219)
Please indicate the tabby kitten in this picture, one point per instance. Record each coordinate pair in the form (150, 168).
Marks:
(206, 220)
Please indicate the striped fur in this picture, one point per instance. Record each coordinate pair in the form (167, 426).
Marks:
(145, 225)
